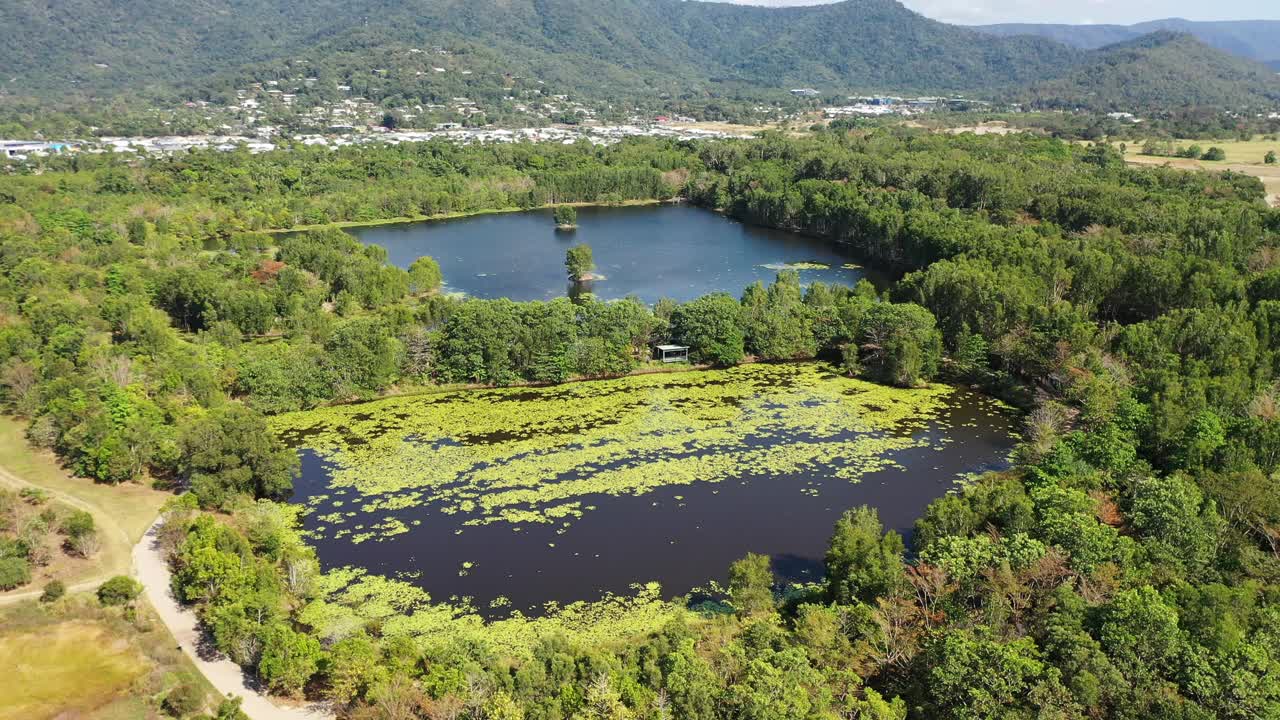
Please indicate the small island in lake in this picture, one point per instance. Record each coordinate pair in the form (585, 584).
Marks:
(566, 217)
(580, 263)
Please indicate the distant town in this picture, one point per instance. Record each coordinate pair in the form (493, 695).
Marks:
(266, 140)
(263, 116)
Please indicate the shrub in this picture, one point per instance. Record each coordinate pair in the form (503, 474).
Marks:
(14, 572)
(1215, 154)
(53, 590)
(184, 699)
(35, 496)
(78, 523)
(86, 545)
(229, 709)
(118, 590)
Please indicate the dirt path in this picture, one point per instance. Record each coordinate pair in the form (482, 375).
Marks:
(102, 520)
(153, 572)
(147, 564)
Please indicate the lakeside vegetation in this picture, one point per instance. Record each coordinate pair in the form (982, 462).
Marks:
(1127, 566)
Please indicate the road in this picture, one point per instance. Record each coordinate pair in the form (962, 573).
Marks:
(152, 571)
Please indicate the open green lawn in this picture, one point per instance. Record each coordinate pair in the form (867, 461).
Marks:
(1238, 151)
(1246, 152)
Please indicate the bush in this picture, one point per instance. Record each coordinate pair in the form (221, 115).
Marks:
(85, 545)
(229, 709)
(78, 523)
(184, 699)
(1215, 154)
(118, 590)
(14, 572)
(35, 496)
(54, 590)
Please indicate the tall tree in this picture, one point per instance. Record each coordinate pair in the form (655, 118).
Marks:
(863, 561)
(579, 262)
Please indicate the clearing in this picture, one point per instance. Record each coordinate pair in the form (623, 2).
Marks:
(1243, 156)
(122, 513)
(39, 668)
(76, 659)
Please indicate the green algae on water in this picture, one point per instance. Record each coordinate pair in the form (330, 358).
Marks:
(349, 599)
(535, 455)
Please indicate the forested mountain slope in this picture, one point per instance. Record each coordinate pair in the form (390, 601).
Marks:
(1252, 39)
(859, 43)
(602, 49)
(1162, 69)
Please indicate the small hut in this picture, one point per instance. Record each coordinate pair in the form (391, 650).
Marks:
(673, 353)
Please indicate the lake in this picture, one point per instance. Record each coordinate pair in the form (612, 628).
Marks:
(675, 251)
(518, 497)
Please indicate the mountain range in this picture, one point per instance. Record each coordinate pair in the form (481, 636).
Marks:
(1257, 40)
(176, 49)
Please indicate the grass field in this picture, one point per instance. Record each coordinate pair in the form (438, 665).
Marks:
(72, 658)
(40, 667)
(122, 513)
(1242, 156)
(1248, 152)
(77, 660)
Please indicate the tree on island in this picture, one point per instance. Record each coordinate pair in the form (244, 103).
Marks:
(424, 275)
(579, 262)
(566, 217)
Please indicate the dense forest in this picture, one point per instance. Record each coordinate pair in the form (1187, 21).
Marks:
(1163, 69)
(1127, 565)
(618, 47)
(619, 51)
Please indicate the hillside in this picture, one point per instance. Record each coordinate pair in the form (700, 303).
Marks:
(1160, 70)
(1257, 40)
(157, 47)
(614, 50)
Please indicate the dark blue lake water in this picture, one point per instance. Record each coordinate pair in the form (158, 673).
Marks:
(675, 251)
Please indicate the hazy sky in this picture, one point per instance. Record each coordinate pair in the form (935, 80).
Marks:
(974, 12)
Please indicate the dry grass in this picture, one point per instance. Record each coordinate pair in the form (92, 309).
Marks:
(76, 660)
(1268, 174)
(723, 127)
(994, 127)
(1247, 152)
(72, 668)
